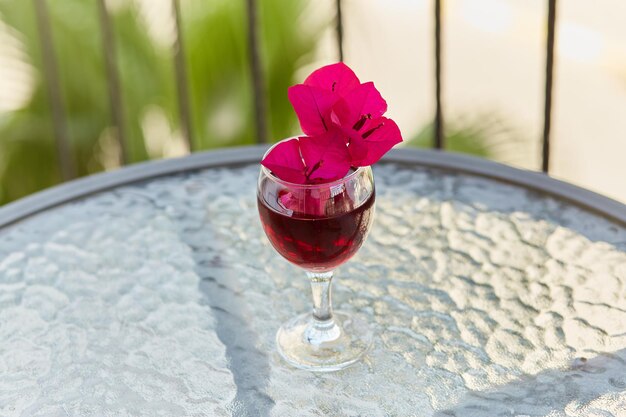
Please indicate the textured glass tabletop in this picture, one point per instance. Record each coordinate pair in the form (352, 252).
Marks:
(162, 298)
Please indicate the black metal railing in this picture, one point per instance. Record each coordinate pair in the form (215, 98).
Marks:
(113, 79)
(260, 112)
(50, 68)
(184, 108)
(439, 133)
(547, 107)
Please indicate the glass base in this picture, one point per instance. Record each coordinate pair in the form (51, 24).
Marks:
(323, 346)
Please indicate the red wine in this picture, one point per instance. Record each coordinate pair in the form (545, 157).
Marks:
(317, 243)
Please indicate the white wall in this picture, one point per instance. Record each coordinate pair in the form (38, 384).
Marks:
(494, 57)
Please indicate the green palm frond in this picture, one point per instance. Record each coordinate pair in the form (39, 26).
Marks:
(486, 134)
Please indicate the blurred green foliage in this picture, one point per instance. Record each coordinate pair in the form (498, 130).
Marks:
(486, 134)
(214, 34)
(217, 66)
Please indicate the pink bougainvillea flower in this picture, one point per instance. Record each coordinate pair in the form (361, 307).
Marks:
(337, 78)
(310, 159)
(285, 161)
(362, 103)
(315, 99)
(344, 123)
(313, 106)
(375, 138)
(325, 156)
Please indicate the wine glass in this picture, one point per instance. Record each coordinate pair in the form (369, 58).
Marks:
(319, 227)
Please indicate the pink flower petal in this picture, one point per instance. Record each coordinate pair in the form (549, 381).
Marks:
(326, 156)
(362, 103)
(357, 152)
(312, 106)
(337, 78)
(376, 138)
(285, 161)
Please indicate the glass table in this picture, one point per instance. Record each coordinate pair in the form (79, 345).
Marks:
(152, 291)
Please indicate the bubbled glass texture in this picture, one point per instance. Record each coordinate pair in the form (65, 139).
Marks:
(162, 299)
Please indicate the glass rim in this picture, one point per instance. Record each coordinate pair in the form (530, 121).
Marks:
(289, 184)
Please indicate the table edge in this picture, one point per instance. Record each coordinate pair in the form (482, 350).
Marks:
(76, 189)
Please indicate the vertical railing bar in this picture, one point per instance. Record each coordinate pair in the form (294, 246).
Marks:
(115, 97)
(439, 133)
(256, 69)
(339, 29)
(66, 162)
(181, 78)
(547, 109)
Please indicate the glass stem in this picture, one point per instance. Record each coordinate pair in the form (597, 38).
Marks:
(322, 327)
(322, 301)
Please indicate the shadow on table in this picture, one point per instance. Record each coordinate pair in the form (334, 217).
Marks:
(250, 366)
(223, 293)
(552, 390)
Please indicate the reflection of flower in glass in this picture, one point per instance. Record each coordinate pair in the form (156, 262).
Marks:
(344, 123)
